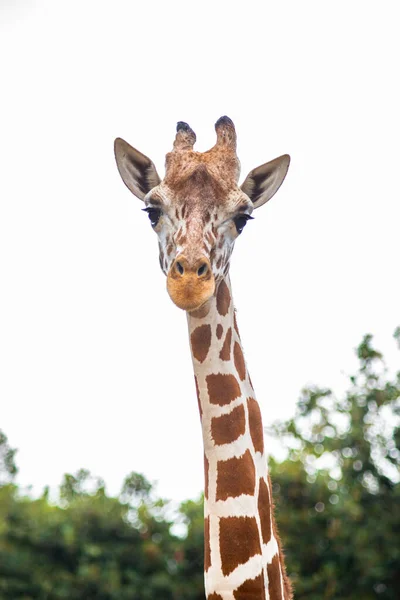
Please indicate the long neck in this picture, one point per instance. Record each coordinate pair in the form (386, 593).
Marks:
(242, 559)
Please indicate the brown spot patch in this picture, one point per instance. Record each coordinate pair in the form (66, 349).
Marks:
(214, 597)
(182, 239)
(238, 541)
(225, 353)
(207, 547)
(239, 361)
(170, 247)
(236, 476)
(264, 509)
(219, 331)
(227, 428)
(206, 470)
(287, 585)
(255, 423)
(222, 388)
(274, 578)
(198, 396)
(201, 342)
(223, 298)
(251, 588)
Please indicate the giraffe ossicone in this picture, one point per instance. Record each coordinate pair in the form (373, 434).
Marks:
(197, 211)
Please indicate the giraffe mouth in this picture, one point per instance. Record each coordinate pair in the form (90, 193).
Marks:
(189, 293)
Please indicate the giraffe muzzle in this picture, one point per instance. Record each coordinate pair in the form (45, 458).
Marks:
(190, 283)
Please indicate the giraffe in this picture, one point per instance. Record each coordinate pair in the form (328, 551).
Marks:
(197, 211)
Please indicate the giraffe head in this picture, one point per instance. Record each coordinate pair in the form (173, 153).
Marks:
(198, 209)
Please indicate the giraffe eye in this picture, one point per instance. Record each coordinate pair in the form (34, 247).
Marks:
(240, 222)
(154, 215)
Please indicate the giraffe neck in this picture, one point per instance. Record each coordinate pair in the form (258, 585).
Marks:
(242, 558)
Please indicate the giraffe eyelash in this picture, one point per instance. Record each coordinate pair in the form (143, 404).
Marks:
(241, 220)
(154, 214)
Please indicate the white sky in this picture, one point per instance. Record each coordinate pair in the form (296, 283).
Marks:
(95, 364)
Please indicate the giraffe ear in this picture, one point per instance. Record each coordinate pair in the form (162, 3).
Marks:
(137, 171)
(262, 182)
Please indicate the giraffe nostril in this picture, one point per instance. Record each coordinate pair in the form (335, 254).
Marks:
(179, 268)
(201, 270)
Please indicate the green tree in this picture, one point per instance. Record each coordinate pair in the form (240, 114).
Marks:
(337, 498)
(93, 547)
(191, 564)
(8, 468)
(338, 494)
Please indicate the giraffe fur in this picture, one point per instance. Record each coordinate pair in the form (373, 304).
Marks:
(197, 211)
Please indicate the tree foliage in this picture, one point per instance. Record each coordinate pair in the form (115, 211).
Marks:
(338, 493)
(337, 497)
(8, 468)
(92, 547)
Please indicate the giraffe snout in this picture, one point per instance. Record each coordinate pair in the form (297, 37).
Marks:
(183, 267)
(190, 283)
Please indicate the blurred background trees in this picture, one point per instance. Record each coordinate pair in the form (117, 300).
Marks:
(337, 497)
(8, 468)
(338, 494)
